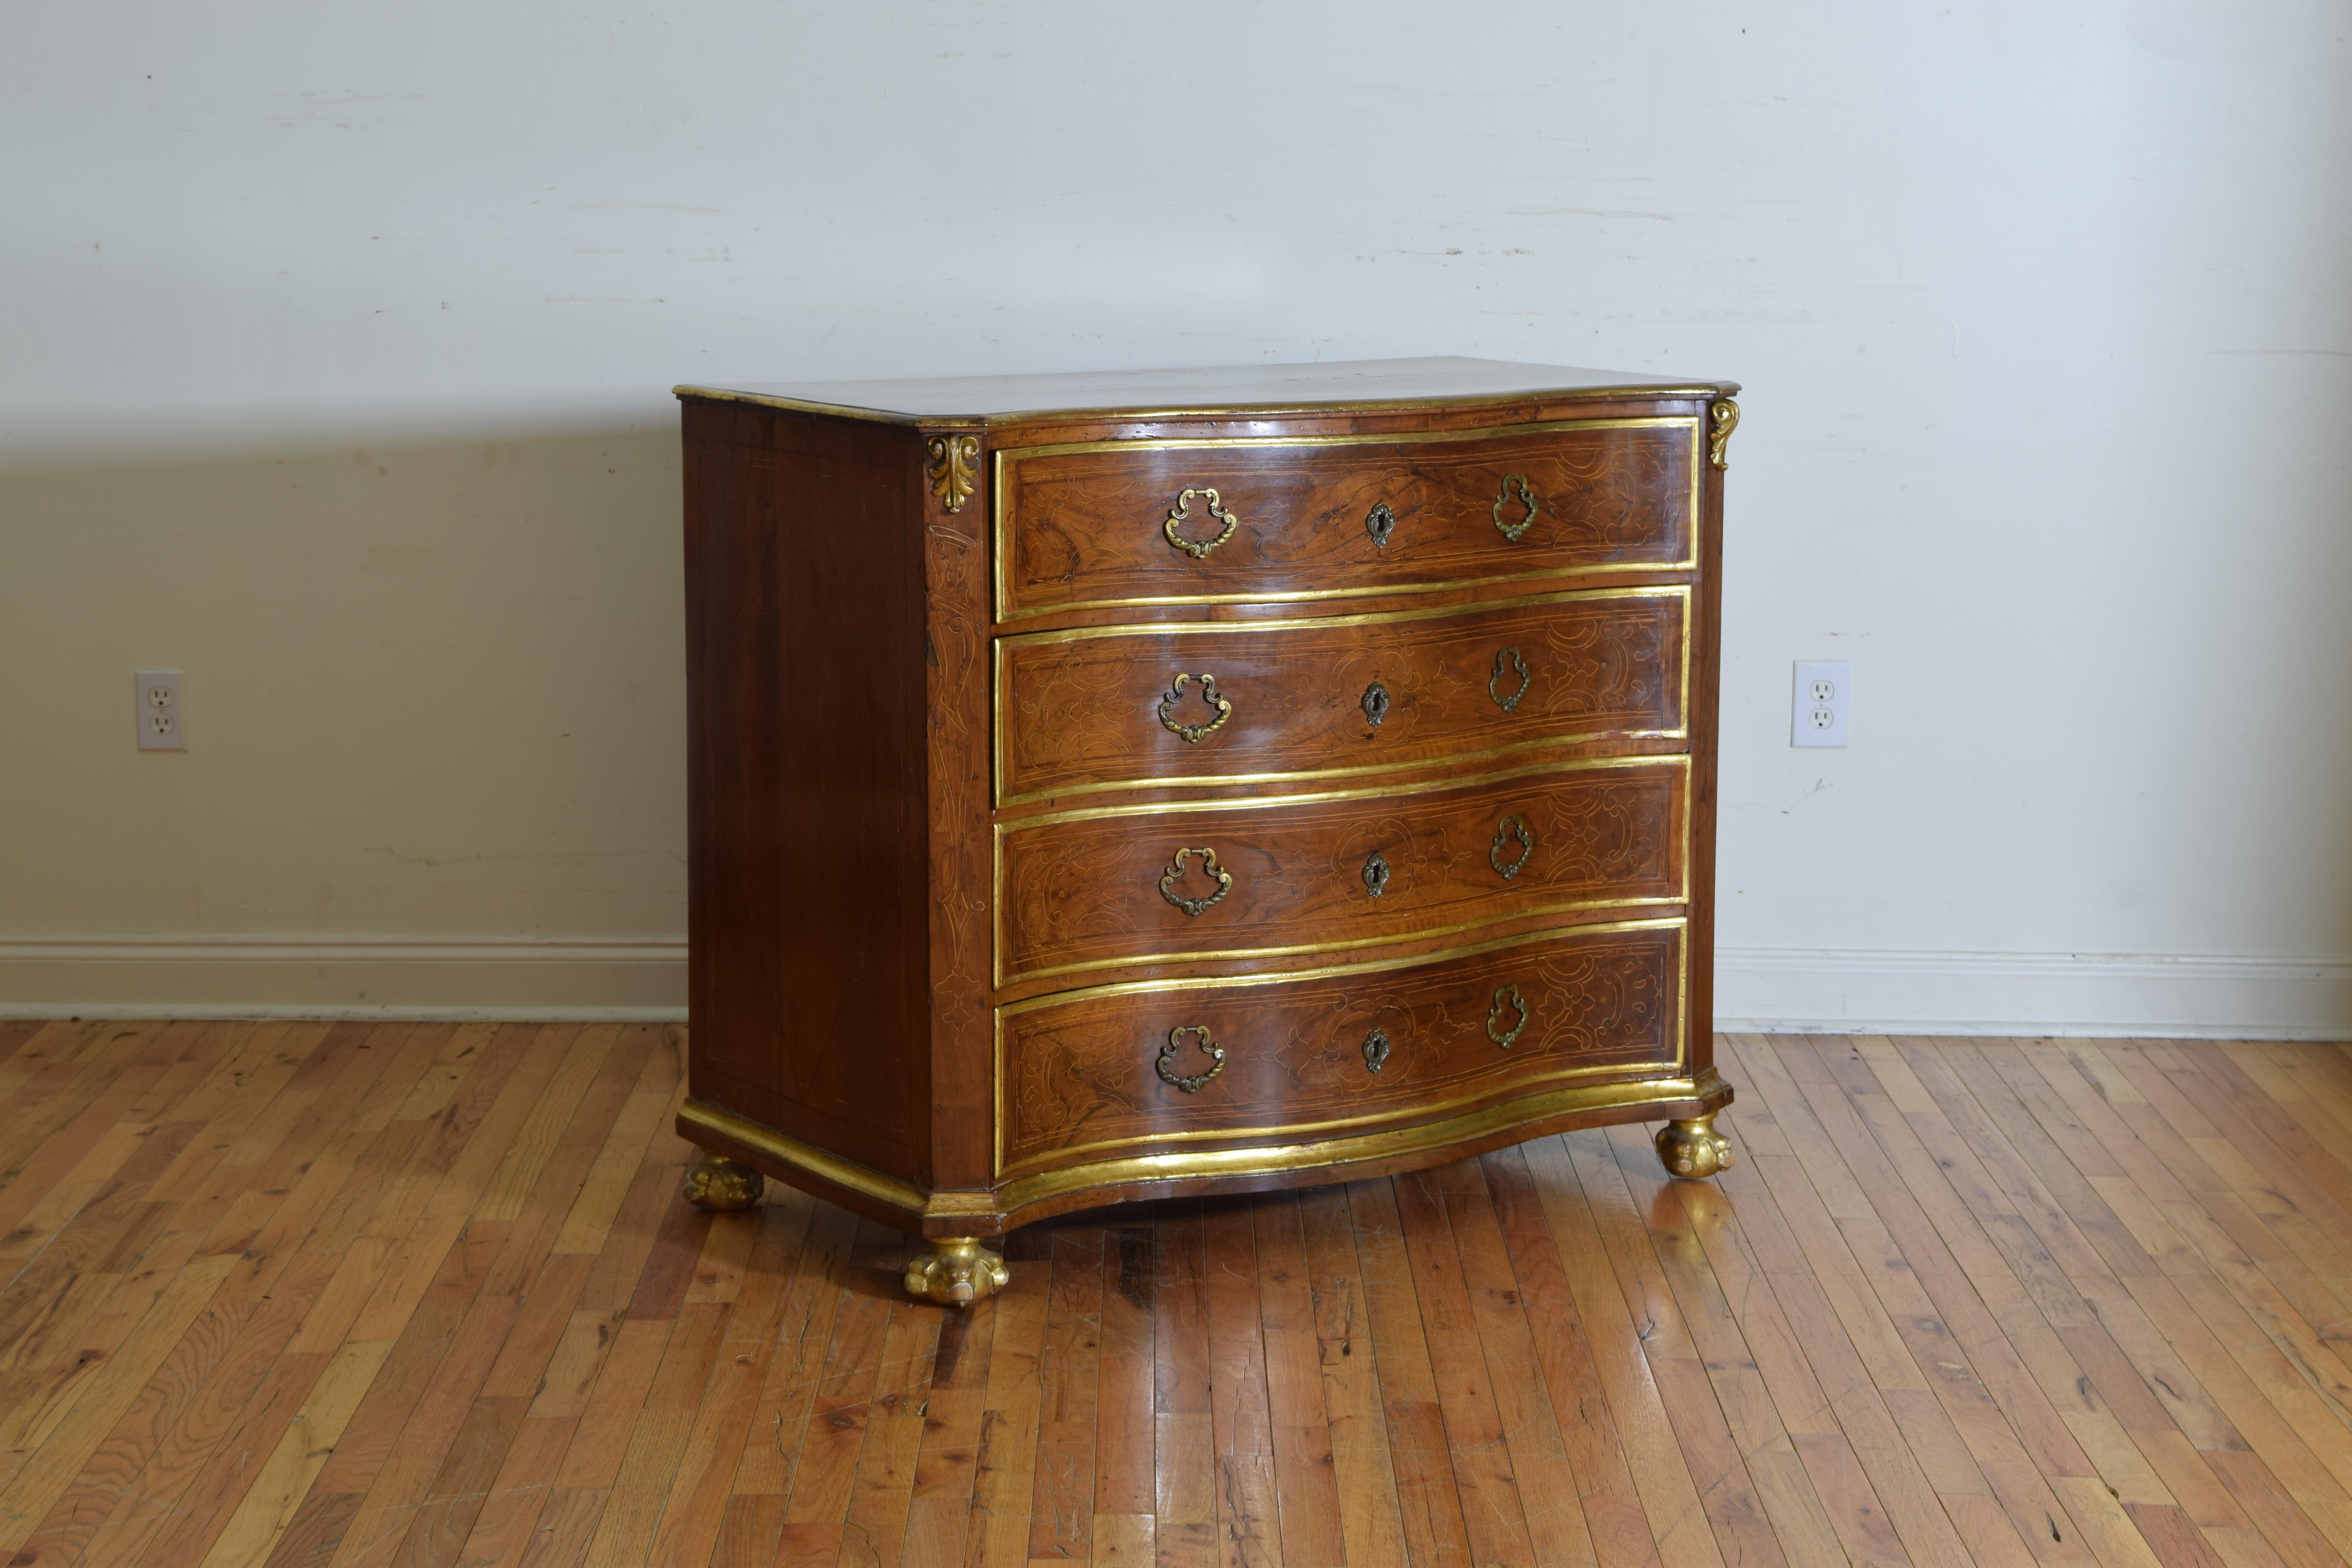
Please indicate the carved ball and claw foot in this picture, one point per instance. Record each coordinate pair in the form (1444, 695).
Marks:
(957, 1272)
(1693, 1148)
(722, 1185)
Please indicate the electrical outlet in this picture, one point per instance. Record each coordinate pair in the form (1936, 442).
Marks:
(1823, 688)
(161, 726)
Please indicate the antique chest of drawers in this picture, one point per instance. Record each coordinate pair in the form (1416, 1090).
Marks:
(1131, 785)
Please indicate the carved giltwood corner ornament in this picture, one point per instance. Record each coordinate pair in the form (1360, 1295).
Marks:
(1725, 415)
(957, 1272)
(722, 1185)
(952, 460)
(1692, 1148)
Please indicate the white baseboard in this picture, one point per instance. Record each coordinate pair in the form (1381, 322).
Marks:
(561, 979)
(1767, 990)
(1861, 992)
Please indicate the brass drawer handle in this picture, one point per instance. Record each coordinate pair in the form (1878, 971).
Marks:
(1376, 875)
(1509, 660)
(1509, 996)
(1209, 864)
(1192, 733)
(1376, 1050)
(1375, 704)
(1182, 512)
(1379, 523)
(1209, 1047)
(1511, 531)
(1510, 826)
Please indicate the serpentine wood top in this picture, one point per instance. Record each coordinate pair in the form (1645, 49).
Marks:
(1247, 388)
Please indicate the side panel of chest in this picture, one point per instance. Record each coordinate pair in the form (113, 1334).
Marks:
(807, 875)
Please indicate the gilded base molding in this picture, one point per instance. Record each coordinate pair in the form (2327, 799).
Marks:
(722, 1185)
(1693, 1148)
(957, 1272)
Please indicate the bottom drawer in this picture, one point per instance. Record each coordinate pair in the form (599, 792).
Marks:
(1126, 1069)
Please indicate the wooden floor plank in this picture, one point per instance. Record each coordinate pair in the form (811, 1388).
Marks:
(1370, 1521)
(307, 1295)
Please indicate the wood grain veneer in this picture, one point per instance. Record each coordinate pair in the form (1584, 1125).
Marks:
(1606, 494)
(1083, 710)
(1081, 1078)
(939, 767)
(1606, 833)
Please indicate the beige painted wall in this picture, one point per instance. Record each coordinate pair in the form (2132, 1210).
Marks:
(335, 349)
(433, 695)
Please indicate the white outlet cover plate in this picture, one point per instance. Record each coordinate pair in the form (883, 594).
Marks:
(1824, 692)
(161, 725)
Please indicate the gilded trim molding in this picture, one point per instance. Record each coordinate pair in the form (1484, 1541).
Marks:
(1007, 457)
(859, 1179)
(1190, 1165)
(1000, 679)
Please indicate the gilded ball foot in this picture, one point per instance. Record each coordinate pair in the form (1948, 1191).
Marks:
(957, 1272)
(722, 1185)
(1693, 1148)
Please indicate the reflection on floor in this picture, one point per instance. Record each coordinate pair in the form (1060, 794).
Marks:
(356, 1294)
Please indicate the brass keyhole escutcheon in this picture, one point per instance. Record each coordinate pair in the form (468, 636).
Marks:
(1376, 875)
(1182, 512)
(1375, 704)
(1527, 499)
(1192, 733)
(1208, 1046)
(1376, 1050)
(1379, 523)
(1170, 878)
(1512, 827)
(1506, 999)
(1508, 662)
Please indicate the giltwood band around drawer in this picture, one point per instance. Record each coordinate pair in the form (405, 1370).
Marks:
(1104, 707)
(1095, 525)
(1101, 1073)
(1295, 875)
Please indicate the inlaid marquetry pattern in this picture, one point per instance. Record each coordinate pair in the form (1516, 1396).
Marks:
(1083, 527)
(1079, 1082)
(1083, 890)
(1600, 665)
(283, 1294)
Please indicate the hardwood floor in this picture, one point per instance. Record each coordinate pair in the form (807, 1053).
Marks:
(308, 1294)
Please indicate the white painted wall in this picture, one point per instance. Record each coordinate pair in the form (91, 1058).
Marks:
(335, 343)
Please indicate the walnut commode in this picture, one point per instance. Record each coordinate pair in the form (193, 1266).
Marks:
(1134, 785)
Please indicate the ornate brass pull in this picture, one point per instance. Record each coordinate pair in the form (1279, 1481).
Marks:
(1209, 1047)
(1209, 864)
(1181, 512)
(1376, 1050)
(1376, 875)
(1509, 660)
(1507, 997)
(1192, 733)
(1375, 704)
(1511, 531)
(1380, 523)
(1512, 826)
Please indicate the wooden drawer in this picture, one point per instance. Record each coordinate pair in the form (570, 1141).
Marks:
(1116, 707)
(1087, 525)
(1087, 1076)
(1291, 877)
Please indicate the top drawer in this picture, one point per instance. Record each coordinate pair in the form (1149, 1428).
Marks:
(1315, 517)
